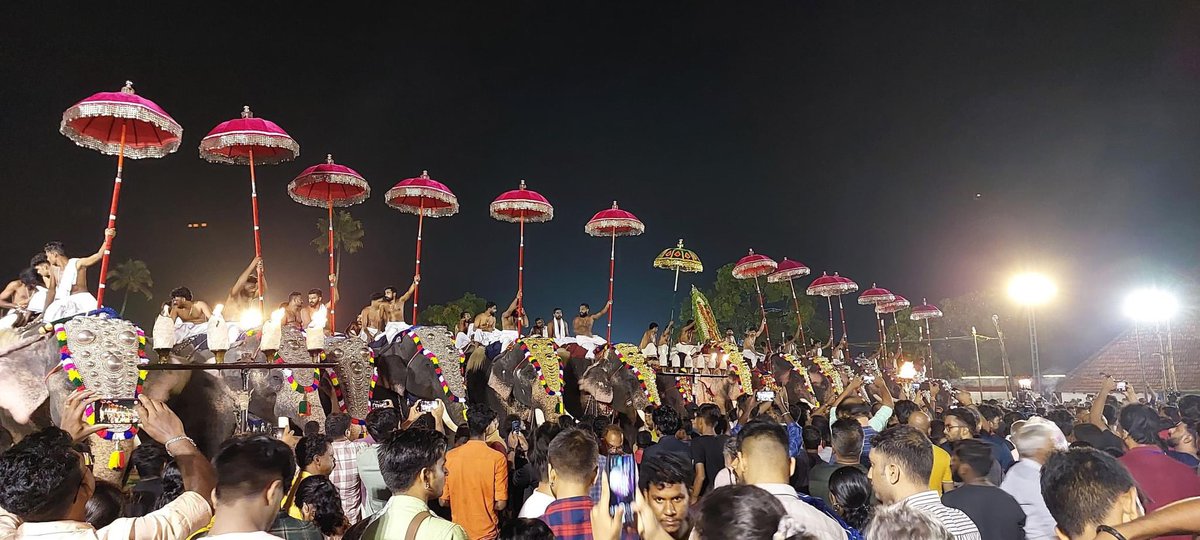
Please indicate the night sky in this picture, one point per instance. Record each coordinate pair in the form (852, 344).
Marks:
(852, 137)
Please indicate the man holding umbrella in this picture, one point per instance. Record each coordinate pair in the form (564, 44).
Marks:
(68, 279)
(583, 328)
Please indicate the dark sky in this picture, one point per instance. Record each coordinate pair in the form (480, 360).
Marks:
(853, 137)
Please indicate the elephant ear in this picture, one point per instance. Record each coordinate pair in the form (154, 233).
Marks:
(24, 366)
(523, 391)
(392, 363)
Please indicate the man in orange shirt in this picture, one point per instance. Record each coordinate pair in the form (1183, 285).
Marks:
(477, 479)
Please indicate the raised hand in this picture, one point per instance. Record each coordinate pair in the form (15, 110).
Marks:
(73, 421)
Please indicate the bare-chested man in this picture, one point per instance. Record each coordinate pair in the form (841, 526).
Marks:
(394, 305)
(244, 294)
(293, 310)
(486, 320)
(583, 328)
(649, 337)
(687, 348)
(749, 345)
(189, 315)
(16, 299)
(514, 318)
(370, 319)
(486, 332)
(68, 280)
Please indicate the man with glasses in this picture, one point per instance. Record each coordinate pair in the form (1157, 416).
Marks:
(961, 425)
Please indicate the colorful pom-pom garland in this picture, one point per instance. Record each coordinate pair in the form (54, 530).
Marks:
(437, 366)
(633, 360)
(67, 361)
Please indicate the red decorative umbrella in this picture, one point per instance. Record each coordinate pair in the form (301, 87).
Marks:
(829, 286)
(250, 141)
(613, 222)
(754, 266)
(877, 295)
(899, 303)
(124, 124)
(924, 312)
(422, 196)
(787, 271)
(327, 185)
(521, 206)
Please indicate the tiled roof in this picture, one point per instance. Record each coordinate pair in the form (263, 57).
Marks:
(1120, 359)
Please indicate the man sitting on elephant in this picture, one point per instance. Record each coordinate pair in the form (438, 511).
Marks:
(749, 344)
(68, 280)
(244, 292)
(583, 328)
(190, 316)
(485, 326)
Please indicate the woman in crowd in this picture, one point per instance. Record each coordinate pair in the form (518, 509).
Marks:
(852, 496)
(319, 502)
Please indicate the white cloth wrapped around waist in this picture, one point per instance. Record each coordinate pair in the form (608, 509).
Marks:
(184, 330)
(394, 328)
(71, 305)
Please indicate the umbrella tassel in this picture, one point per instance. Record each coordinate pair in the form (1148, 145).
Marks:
(112, 215)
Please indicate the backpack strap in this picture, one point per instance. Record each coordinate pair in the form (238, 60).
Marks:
(416, 524)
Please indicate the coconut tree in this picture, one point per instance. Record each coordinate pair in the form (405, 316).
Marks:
(347, 236)
(132, 275)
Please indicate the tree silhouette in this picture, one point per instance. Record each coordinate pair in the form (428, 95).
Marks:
(347, 236)
(132, 275)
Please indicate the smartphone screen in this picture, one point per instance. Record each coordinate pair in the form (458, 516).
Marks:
(765, 395)
(382, 404)
(1121, 386)
(622, 484)
(117, 411)
(426, 405)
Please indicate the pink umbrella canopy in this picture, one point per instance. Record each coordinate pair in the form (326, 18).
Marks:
(925, 311)
(875, 295)
(101, 120)
(898, 304)
(753, 265)
(614, 222)
(234, 142)
(828, 285)
(422, 195)
(788, 270)
(328, 184)
(521, 205)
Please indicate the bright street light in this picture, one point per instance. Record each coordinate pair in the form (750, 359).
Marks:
(1150, 305)
(1031, 289)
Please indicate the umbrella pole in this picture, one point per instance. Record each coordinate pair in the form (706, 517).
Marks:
(674, 292)
(829, 300)
(420, 229)
(882, 334)
(521, 270)
(842, 308)
(799, 321)
(332, 284)
(763, 307)
(262, 287)
(896, 325)
(112, 217)
(929, 343)
(612, 267)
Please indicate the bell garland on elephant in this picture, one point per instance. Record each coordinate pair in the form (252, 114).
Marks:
(541, 353)
(684, 386)
(635, 361)
(830, 372)
(706, 323)
(437, 367)
(117, 458)
(736, 363)
(798, 366)
(303, 408)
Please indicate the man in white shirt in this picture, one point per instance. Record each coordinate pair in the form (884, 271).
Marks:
(901, 462)
(1035, 443)
(763, 461)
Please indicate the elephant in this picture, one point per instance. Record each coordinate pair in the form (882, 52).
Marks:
(406, 368)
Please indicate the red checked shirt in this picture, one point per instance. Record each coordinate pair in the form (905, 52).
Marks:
(570, 518)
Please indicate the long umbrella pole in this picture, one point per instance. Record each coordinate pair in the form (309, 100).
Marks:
(842, 308)
(799, 321)
(521, 270)
(673, 293)
(929, 339)
(420, 229)
(262, 285)
(882, 335)
(762, 306)
(112, 216)
(612, 267)
(896, 325)
(332, 284)
(829, 301)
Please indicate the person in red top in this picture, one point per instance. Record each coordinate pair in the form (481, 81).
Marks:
(1160, 478)
(476, 488)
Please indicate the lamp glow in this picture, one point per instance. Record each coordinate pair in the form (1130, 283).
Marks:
(1025, 383)
(1031, 289)
(1150, 305)
(907, 371)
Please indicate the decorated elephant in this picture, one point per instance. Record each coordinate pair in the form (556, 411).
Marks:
(422, 363)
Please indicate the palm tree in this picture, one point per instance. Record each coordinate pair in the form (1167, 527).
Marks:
(347, 236)
(132, 275)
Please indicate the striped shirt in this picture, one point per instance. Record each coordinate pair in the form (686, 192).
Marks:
(955, 521)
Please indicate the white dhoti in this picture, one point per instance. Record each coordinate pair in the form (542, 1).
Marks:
(688, 351)
(71, 305)
(184, 330)
(504, 337)
(591, 343)
(751, 358)
(394, 328)
(508, 337)
(564, 341)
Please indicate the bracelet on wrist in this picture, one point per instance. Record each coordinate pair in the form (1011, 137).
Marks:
(167, 445)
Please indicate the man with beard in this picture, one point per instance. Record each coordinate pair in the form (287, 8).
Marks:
(583, 328)
(394, 305)
(68, 280)
(664, 483)
(463, 330)
(192, 315)
(485, 326)
(371, 317)
(317, 308)
(559, 331)
(16, 298)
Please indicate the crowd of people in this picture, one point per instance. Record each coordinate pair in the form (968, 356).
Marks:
(864, 465)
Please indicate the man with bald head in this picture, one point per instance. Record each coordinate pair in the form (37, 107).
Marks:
(940, 479)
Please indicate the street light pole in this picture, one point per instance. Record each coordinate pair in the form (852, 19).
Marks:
(978, 365)
(1035, 361)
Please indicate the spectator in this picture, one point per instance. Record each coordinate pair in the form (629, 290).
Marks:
(172, 485)
(644, 440)
(901, 462)
(940, 479)
(1103, 415)
(312, 428)
(572, 456)
(526, 529)
(148, 460)
(1087, 490)
(904, 521)
(763, 461)
(314, 456)
(1182, 443)
(105, 505)
(252, 478)
(381, 423)
(668, 424)
(851, 495)
(317, 498)
(995, 513)
(991, 419)
(847, 450)
(665, 484)
(707, 449)
(749, 513)
(477, 479)
(413, 463)
(727, 476)
(962, 424)
(856, 408)
(1160, 479)
(345, 464)
(46, 483)
(614, 440)
(542, 496)
(1035, 443)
